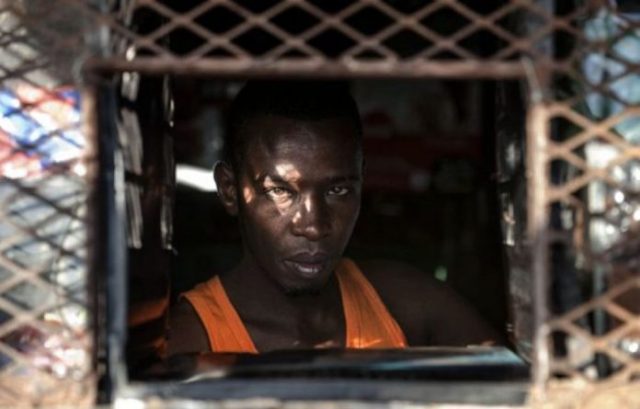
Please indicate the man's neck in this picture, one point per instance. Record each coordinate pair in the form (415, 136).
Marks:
(267, 310)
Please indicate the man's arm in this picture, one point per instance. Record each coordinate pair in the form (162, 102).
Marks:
(186, 333)
(429, 312)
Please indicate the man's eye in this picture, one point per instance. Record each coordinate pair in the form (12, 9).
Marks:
(278, 193)
(338, 191)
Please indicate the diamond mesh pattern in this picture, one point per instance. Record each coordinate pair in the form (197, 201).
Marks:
(45, 345)
(438, 37)
(584, 160)
(584, 210)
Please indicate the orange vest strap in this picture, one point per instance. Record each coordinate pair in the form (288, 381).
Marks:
(224, 327)
(368, 322)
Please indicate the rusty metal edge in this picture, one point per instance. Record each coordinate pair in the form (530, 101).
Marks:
(300, 68)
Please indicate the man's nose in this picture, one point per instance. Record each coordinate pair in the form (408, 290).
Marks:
(312, 220)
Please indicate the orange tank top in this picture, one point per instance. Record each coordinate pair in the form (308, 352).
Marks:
(368, 322)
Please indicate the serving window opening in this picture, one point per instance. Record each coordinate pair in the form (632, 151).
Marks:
(430, 198)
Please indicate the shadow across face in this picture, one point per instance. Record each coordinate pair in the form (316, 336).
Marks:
(297, 195)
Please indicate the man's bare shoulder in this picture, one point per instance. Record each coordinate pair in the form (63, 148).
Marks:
(429, 311)
(186, 332)
(393, 279)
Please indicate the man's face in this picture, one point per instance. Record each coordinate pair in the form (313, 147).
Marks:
(298, 192)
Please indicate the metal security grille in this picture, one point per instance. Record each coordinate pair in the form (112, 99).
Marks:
(369, 37)
(579, 58)
(583, 147)
(45, 341)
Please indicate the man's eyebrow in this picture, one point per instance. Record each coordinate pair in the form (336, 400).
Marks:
(271, 178)
(275, 178)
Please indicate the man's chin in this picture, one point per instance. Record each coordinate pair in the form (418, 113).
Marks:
(300, 291)
(300, 282)
(305, 286)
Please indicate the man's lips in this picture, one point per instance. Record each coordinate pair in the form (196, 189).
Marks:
(309, 258)
(308, 264)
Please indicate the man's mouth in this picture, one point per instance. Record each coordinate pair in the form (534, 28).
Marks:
(308, 264)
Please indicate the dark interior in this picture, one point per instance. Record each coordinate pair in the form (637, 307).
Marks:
(429, 197)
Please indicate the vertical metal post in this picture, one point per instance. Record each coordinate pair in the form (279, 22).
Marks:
(90, 131)
(538, 220)
(113, 266)
(538, 209)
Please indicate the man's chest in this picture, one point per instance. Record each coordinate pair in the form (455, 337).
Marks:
(321, 331)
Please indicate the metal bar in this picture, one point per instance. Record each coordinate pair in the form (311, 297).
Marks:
(538, 177)
(314, 68)
(89, 128)
(113, 252)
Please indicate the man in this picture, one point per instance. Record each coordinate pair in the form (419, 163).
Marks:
(292, 175)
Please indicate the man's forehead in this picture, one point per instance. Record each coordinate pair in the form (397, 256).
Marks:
(278, 132)
(303, 155)
(302, 163)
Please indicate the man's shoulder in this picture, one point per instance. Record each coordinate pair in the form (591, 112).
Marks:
(391, 278)
(428, 311)
(406, 291)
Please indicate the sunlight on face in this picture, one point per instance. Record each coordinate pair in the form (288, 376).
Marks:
(281, 197)
(304, 180)
(307, 204)
(247, 193)
(288, 172)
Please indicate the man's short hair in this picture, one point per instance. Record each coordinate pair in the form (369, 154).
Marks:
(299, 100)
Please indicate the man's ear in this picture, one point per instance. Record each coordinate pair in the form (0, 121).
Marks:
(226, 182)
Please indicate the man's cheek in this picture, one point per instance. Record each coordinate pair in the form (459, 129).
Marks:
(268, 231)
(283, 206)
